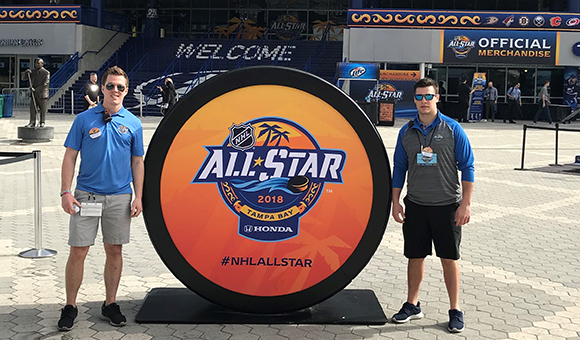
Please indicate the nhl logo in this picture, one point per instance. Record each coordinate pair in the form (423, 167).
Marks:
(242, 136)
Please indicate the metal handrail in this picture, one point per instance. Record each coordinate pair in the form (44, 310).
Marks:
(556, 128)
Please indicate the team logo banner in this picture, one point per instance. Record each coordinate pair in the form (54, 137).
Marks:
(460, 46)
(455, 19)
(267, 189)
(476, 101)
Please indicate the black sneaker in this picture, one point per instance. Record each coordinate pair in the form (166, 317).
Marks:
(67, 318)
(456, 324)
(408, 312)
(113, 313)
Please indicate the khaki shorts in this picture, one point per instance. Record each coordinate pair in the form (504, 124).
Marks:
(115, 220)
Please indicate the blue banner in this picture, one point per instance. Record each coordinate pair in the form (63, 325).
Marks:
(358, 71)
(507, 47)
(570, 89)
(387, 18)
(476, 103)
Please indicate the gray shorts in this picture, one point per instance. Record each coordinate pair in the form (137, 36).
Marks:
(115, 220)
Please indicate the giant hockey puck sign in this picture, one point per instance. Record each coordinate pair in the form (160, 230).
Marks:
(267, 190)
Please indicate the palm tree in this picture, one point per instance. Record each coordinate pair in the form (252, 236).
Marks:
(279, 135)
(268, 129)
(222, 30)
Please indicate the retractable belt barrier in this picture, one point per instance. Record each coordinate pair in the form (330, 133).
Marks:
(37, 251)
(556, 128)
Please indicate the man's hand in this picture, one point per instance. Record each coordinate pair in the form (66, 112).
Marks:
(67, 202)
(462, 215)
(136, 207)
(398, 212)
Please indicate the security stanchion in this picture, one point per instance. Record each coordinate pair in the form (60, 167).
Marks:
(37, 251)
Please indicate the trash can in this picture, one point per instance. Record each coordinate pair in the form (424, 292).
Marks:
(8, 105)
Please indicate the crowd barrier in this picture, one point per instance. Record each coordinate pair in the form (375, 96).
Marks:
(14, 157)
(556, 128)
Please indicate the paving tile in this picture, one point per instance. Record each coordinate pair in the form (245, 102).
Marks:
(518, 280)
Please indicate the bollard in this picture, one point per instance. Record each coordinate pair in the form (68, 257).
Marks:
(38, 251)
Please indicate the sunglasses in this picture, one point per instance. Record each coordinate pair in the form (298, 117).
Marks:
(110, 87)
(429, 96)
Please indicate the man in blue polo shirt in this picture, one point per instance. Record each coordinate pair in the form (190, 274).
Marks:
(430, 149)
(110, 141)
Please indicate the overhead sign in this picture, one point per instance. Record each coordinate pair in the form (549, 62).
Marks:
(266, 190)
(508, 47)
(400, 75)
(358, 71)
(388, 18)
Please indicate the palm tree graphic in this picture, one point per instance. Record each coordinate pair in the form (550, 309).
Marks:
(269, 129)
(278, 135)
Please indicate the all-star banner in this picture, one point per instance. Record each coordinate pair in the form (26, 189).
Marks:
(511, 47)
(455, 19)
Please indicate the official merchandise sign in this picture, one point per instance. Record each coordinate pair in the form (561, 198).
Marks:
(473, 46)
(266, 190)
(358, 71)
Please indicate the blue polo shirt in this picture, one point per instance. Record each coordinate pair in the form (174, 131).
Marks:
(106, 150)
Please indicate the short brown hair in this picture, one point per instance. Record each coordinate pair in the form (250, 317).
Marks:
(426, 82)
(115, 71)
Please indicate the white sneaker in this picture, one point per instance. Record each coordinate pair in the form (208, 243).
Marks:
(484, 120)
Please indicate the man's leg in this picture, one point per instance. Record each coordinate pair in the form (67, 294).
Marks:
(42, 108)
(537, 116)
(547, 109)
(32, 121)
(451, 276)
(74, 273)
(113, 268)
(415, 273)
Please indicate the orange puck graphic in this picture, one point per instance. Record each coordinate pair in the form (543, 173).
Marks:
(267, 190)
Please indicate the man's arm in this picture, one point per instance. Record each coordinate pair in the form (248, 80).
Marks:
(67, 174)
(398, 211)
(88, 99)
(138, 170)
(463, 213)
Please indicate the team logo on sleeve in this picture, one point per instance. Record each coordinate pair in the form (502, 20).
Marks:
(270, 172)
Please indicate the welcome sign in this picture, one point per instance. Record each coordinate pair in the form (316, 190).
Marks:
(511, 47)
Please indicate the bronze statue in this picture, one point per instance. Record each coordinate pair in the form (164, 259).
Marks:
(39, 79)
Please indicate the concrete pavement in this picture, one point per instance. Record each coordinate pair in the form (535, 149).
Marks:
(520, 253)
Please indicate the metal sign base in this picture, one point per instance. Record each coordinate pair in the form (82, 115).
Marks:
(37, 253)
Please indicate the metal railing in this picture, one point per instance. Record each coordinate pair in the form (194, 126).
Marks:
(556, 128)
(38, 251)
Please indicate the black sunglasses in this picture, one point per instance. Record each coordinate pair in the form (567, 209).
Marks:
(429, 96)
(110, 87)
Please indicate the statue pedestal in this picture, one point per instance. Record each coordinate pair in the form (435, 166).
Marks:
(36, 135)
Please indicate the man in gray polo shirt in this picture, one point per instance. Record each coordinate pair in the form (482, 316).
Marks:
(430, 150)
(544, 100)
(490, 97)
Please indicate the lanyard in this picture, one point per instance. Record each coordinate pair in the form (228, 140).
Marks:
(425, 138)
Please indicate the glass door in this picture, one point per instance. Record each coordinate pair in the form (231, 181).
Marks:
(7, 73)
